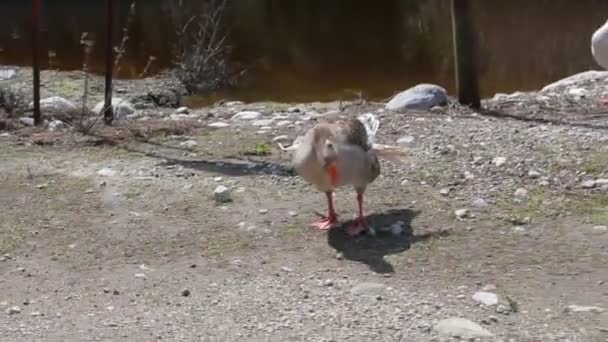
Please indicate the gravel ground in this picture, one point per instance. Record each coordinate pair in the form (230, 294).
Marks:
(495, 229)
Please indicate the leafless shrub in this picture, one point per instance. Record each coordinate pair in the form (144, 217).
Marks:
(202, 49)
(13, 102)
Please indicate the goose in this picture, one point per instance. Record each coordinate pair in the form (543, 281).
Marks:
(599, 48)
(343, 153)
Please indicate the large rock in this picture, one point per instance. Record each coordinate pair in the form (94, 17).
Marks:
(591, 76)
(423, 96)
(121, 107)
(57, 106)
(462, 328)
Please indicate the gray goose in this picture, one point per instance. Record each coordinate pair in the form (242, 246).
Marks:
(336, 154)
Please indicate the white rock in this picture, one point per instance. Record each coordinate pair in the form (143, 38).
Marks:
(601, 182)
(588, 184)
(581, 308)
(222, 194)
(122, 108)
(602, 229)
(423, 96)
(533, 174)
(462, 213)
(444, 191)
(263, 122)
(583, 77)
(56, 104)
(396, 229)
(283, 123)
(234, 103)
(182, 110)
(188, 144)
(499, 161)
(7, 74)
(480, 203)
(218, 125)
(406, 140)
(13, 310)
(521, 192)
(107, 172)
(486, 298)
(246, 115)
(25, 121)
(462, 328)
(368, 289)
(56, 125)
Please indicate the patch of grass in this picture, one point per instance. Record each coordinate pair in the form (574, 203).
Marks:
(537, 203)
(597, 164)
(593, 207)
(260, 149)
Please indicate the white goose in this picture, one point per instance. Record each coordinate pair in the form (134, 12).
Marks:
(342, 153)
(599, 48)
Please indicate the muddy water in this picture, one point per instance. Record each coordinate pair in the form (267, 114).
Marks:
(305, 50)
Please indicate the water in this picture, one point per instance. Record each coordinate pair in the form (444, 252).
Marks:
(308, 50)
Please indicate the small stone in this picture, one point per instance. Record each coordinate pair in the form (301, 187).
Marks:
(580, 308)
(404, 182)
(462, 213)
(503, 309)
(185, 293)
(533, 174)
(444, 191)
(247, 115)
(601, 229)
(396, 229)
(25, 121)
(406, 140)
(140, 275)
(56, 125)
(328, 283)
(218, 125)
(222, 194)
(107, 172)
(283, 123)
(340, 256)
(182, 110)
(486, 298)
(188, 144)
(588, 184)
(601, 182)
(480, 203)
(368, 289)
(489, 288)
(36, 314)
(499, 161)
(521, 192)
(263, 122)
(263, 211)
(286, 269)
(13, 310)
(293, 213)
(461, 328)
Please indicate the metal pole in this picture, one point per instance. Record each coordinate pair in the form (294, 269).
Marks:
(36, 60)
(465, 54)
(109, 112)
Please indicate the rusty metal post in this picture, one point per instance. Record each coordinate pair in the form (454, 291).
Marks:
(36, 60)
(108, 111)
(465, 54)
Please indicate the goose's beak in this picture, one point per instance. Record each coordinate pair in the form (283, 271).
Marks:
(334, 174)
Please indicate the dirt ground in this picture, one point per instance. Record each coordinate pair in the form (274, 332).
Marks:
(117, 237)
